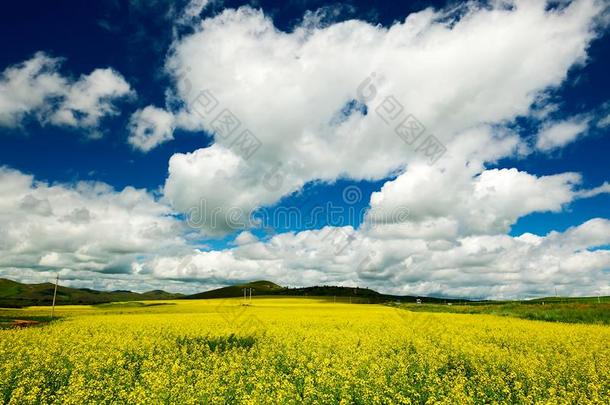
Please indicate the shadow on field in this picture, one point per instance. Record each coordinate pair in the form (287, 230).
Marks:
(215, 344)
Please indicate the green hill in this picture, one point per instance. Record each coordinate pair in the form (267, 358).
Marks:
(261, 287)
(14, 295)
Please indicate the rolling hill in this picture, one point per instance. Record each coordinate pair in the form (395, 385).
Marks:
(261, 287)
(14, 295)
(357, 294)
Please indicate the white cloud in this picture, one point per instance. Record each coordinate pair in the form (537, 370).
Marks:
(36, 88)
(481, 203)
(558, 134)
(603, 189)
(295, 92)
(90, 98)
(245, 238)
(194, 8)
(491, 266)
(86, 227)
(604, 122)
(25, 88)
(150, 127)
(97, 237)
(292, 91)
(453, 241)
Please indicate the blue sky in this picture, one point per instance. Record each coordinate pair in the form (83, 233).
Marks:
(553, 121)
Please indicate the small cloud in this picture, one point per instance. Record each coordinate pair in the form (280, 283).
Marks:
(35, 88)
(604, 122)
(150, 127)
(245, 238)
(556, 135)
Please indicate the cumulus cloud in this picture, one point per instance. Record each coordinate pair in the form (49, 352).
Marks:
(490, 266)
(86, 227)
(481, 203)
(36, 88)
(150, 127)
(26, 87)
(97, 237)
(452, 243)
(315, 119)
(558, 134)
(320, 103)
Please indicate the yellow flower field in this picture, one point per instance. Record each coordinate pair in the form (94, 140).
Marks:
(293, 350)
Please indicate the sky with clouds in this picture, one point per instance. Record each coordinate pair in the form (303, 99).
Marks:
(451, 149)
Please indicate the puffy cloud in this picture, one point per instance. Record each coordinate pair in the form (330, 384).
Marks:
(558, 134)
(86, 227)
(490, 266)
(489, 202)
(35, 87)
(316, 119)
(311, 105)
(25, 88)
(90, 98)
(150, 127)
(245, 238)
(453, 241)
(459, 190)
(102, 238)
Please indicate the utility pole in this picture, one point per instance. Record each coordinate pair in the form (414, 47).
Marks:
(250, 295)
(54, 295)
(245, 296)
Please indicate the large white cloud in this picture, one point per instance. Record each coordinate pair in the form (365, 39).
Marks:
(462, 80)
(36, 88)
(303, 97)
(490, 266)
(86, 227)
(97, 237)
(295, 91)
(453, 242)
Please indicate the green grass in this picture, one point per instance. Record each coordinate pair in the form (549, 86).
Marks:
(566, 310)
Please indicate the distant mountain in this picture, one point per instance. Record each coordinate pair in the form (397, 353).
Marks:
(261, 287)
(357, 294)
(14, 295)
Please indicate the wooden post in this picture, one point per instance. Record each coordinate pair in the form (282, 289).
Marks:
(54, 295)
